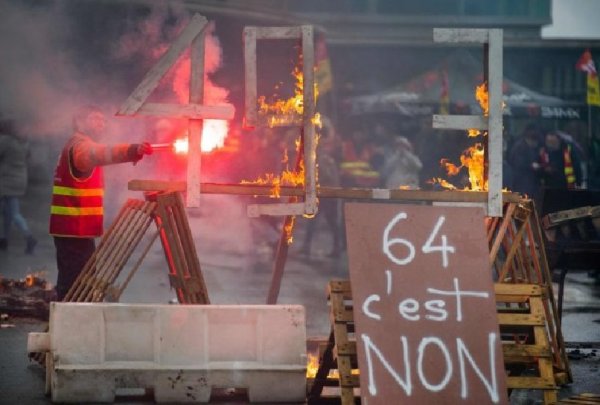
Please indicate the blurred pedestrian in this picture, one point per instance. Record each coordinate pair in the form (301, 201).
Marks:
(401, 165)
(77, 211)
(523, 158)
(359, 156)
(560, 164)
(14, 151)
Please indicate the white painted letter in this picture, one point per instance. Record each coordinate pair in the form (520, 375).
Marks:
(491, 386)
(437, 307)
(367, 303)
(448, 360)
(406, 384)
(458, 294)
(408, 307)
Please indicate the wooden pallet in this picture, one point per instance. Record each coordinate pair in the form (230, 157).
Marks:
(518, 256)
(525, 340)
(185, 274)
(523, 327)
(337, 355)
(581, 399)
(97, 279)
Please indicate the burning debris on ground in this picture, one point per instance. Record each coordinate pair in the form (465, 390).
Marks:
(28, 297)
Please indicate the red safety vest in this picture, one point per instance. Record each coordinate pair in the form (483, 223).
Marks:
(569, 171)
(77, 203)
(356, 165)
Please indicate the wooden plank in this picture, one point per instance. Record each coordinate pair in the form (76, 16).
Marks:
(508, 260)
(460, 122)
(194, 155)
(460, 35)
(506, 221)
(502, 289)
(277, 32)
(515, 350)
(557, 218)
(181, 111)
(495, 117)
(282, 209)
(521, 319)
(530, 383)
(309, 111)
(322, 192)
(152, 78)
(250, 76)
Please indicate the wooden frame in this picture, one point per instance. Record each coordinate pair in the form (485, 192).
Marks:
(195, 111)
(492, 39)
(305, 34)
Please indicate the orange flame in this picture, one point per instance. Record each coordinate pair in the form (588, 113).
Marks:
(482, 96)
(312, 366)
(282, 112)
(473, 158)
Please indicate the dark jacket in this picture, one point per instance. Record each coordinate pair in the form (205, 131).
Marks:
(13, 165)
(521, 159)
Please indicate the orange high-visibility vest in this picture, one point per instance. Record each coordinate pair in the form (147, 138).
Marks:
(569, 171)
(357, 166)
(77, 203)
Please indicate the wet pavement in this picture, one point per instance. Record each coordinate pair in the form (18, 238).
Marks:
(235, 255)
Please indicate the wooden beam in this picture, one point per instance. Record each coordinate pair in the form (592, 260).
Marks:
(323, 192)
(460, 122)
(309, 111)
(195, 125)
(277, 32)
(460, 35)
(193, 111)
(152, 78)
(250, 93)
(495, 129)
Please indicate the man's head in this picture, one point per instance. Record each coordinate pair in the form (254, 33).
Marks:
(532, 135)
(90, 120)
(552, 141)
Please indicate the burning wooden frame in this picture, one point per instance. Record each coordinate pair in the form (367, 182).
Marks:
(492, 123)
(306, 122)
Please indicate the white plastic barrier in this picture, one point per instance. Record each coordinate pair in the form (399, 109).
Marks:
(181, 352)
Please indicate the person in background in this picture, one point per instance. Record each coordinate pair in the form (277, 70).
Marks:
(594, 162)
(328, 207)
(523, 159)
(77, 212)
(560, 164)
(14, 151)
(359, 156)
(401, 166)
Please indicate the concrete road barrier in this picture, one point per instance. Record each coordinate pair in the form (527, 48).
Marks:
(180, 352)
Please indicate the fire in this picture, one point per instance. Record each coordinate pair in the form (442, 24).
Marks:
(284, 112)
(482, 96)
(312, 366)
(473, 158)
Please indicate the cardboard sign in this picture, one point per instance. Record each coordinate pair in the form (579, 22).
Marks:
(424, 305)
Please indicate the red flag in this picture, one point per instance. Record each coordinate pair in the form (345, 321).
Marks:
(586, 63)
